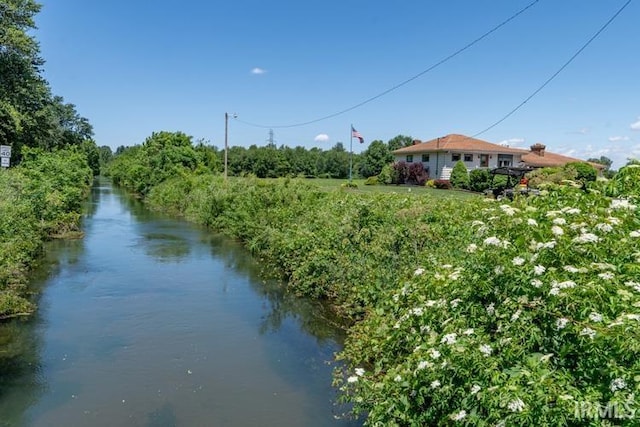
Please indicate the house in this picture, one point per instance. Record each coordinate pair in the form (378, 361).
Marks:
(439, 155)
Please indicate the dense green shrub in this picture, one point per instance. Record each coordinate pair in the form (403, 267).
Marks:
(386, 175)
(555, 175)
(537, 324)
(479, 180)
(442, 184)
(584, 171)
(460, 176)
(163, 155)
(372, 180)
(626, 182)
(40, 198)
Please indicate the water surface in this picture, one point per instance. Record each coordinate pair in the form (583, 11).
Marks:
(151, 321)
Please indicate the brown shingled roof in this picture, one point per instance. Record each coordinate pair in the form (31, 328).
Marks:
(551, 160)
(455, 142)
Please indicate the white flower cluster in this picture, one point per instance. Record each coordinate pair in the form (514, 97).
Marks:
(509, 210)
(595, 317)
(486, 349)
(494, 241)
(458, 415)
(588, 332)
(586, 238)
(449, 339)
(634, 285)
(621, 204)
(557, 287)
(618, 384)
(562, 323)
(516, 405)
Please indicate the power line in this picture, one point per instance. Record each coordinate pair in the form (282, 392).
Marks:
(405, 82)
(554, 75)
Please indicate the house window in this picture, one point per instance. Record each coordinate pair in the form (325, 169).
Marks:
(410, 158)
(455, 157)
(425, 158)
(468, 157)
(505, 160)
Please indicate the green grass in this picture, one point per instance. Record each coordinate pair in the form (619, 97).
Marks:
(336, 184)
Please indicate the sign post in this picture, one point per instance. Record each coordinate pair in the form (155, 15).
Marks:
(5, 155)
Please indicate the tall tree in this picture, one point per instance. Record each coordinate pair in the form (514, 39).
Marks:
(29, 114)
(399, 141)
(374, 158)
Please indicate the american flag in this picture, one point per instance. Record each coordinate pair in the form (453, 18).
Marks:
(356, 134)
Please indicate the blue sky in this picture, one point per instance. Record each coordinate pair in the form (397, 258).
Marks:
(135, 67)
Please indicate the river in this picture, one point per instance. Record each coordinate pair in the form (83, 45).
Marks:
(152, 321)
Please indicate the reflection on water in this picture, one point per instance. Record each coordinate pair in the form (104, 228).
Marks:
(153, 322)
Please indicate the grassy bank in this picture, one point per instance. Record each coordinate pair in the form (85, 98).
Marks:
(39, 199)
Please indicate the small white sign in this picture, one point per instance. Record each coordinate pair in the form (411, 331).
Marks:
(5, 151)
(4, 162)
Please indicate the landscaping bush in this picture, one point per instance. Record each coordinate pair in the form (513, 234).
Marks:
(479, 180)
(417, 174)
(442, 184)
(400, 172)
(372, 180)
(460, 176)
(386, 175)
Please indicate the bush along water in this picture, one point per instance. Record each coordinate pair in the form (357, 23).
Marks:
(538, 323)
(466, 312)
(40, 198)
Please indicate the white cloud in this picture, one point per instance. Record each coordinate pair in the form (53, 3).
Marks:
(323, 137)
(636, 125)
(618, 138)
(511, 142)
(258, 70)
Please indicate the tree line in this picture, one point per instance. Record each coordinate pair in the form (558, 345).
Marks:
(268, 161)
(30, 114)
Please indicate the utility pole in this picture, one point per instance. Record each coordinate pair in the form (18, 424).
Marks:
(226, 142)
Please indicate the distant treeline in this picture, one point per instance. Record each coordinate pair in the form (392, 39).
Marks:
(169, 152)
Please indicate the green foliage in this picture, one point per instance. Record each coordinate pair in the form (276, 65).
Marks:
(386, 175)
(30, 115)
(460, 176)
(372, 180)
(40, 198)
(479, 180)
(375, 158)
(626, 182)
(556, 175)
(163, 155)
(529, 310)
(399, 141)
(465, 310)
(584, 171)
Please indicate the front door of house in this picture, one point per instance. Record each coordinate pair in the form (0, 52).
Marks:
(484, 160)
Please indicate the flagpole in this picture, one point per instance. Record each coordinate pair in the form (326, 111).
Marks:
(350, 154)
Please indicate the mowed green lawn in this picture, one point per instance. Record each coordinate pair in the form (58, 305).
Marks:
(336, 185)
